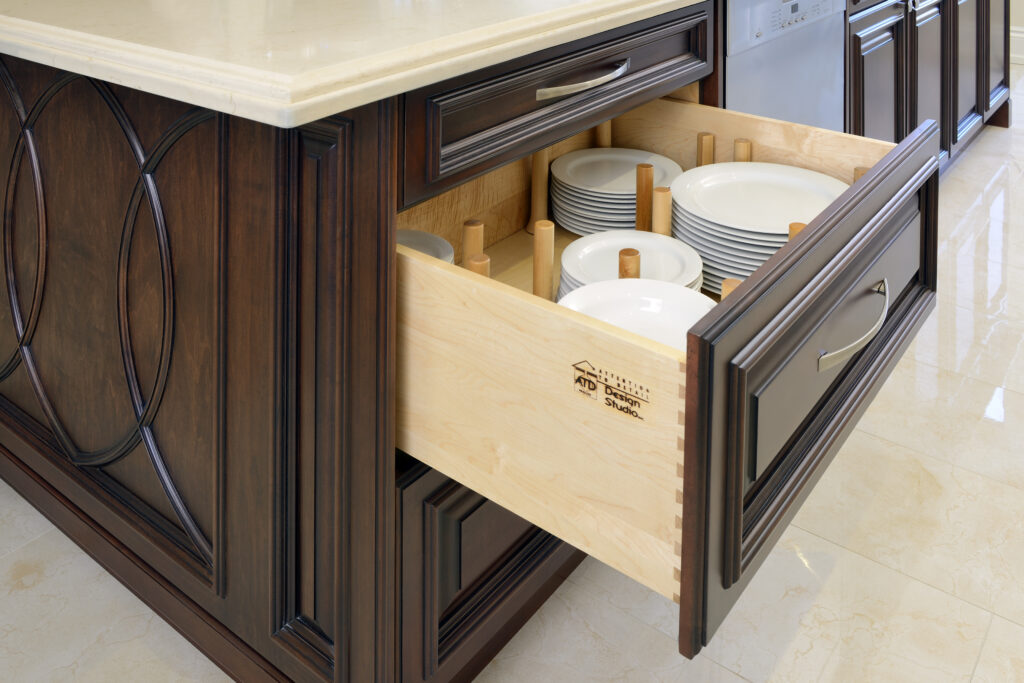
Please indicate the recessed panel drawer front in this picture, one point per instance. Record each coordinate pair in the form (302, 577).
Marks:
(460, 128)
(784, 371)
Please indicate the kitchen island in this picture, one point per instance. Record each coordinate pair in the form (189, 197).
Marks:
(203, 323)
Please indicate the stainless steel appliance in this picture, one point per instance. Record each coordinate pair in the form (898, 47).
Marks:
(784, 59)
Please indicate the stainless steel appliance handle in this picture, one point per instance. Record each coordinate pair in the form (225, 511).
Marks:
(573, 88)
(830, 360)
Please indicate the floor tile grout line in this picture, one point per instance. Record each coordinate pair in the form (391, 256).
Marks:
(702, 653)
(984, 642)
(23, 545)
(905, 575)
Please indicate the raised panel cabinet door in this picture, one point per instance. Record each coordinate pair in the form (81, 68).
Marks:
(968, 103)
(877, 69)
(926, 66)
(998, 52)
(471, 574)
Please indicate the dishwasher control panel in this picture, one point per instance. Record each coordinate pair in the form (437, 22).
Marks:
(753, 22)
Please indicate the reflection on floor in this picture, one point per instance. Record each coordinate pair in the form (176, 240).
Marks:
(906, 563)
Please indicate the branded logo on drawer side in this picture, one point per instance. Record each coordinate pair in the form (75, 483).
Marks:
(614, 391)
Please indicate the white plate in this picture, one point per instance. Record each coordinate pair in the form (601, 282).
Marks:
(596, 257)
(586, 227)
(754, 245)
(734, 233)
(622, 201)
(721, 248)
(428, 243)
(755, 196)
(594, 216)
(592, 206)
(713, 257)
(611, 170)
(725, 245)
(662, 311)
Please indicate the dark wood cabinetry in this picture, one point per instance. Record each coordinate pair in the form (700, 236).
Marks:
(471, 574)
(195, 339)
(998, 43)
(876, 72)
(945, 60)
(966, 49)
(926, 67)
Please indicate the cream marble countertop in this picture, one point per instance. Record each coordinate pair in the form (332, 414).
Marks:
(288, 62)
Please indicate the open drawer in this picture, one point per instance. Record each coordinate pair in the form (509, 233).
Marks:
(678, 469)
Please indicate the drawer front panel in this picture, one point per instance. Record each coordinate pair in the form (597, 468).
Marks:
(777, 379)
(461, 128)
(761, 422)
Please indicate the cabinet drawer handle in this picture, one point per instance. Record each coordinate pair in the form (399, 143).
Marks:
(563, 90)
(830, 360)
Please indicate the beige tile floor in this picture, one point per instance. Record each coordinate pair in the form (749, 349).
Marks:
(905, 564)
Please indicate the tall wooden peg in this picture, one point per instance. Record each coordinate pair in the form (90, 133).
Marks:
(629, 263)
(795, 228)
(480, 264)
(729, 284)
(661, 212)
(859, 171)
(742, 149)
(705, 149)
(603, 134)
(644, 196)
(539, 188)
(472, 239)
(543, 258)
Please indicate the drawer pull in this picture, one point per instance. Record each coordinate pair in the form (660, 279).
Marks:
(572, 89)
(830, 360)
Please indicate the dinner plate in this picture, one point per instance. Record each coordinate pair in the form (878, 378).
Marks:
(662, 311)
(596, 257)
(721, 246)
(739, 249)
(755, 196)
(611, 170)
(748, 247)
(616, 219)
(428, 243)
(587, 206)
(619, 200)
(749, 236)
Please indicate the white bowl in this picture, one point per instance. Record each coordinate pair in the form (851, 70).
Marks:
(595, 258)
(428, 243)
(662, 311)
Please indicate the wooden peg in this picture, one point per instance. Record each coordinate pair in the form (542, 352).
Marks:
(661, 212)
(603, 134)
(629, 263)
(858, 171)
(472, 239)
(729, 284)
(705, 149)
(539, 188)
(644, 192)
(543, 258)
(795, 228)
(742, 149)
(480, 264)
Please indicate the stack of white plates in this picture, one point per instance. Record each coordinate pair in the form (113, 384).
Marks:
(593, 190)
(428, 243)
(736, 215)
(662, 311)
(595, 258)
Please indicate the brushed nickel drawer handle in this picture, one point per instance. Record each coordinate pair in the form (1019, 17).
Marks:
(830, 360)
(573, 88)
